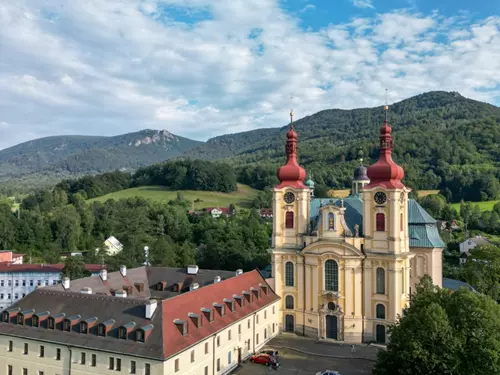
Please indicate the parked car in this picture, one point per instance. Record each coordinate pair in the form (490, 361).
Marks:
(328, 372)
(264, 359)
(271, 352)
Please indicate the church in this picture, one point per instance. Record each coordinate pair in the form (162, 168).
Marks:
(345, 268)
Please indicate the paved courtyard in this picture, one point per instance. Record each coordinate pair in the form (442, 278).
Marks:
(302, 356)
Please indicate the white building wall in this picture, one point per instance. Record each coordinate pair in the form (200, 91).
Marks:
(16, 285)
(256, 330)
(262, 325)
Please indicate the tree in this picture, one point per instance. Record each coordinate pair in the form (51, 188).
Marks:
(74, 268)
(444, 333)
(482, 270)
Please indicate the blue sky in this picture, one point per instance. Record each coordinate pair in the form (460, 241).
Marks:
(202, 68)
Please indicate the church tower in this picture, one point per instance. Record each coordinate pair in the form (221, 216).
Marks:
(291, 198)
(385, 226)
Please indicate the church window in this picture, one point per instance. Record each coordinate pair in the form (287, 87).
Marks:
(289, 274)
(380, 311)
(331, 275)
(401, 226)
(331, 306)
(331, 221)
(380, 281)
(289, 220)
(380, 222)
(289, 302)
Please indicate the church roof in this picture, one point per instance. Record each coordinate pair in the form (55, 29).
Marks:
(422, 227)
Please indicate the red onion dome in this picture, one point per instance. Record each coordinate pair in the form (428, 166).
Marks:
(385, 172)
(291, 174)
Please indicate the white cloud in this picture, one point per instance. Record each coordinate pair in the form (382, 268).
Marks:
(308, 8)
(115, 66)
(363, 3)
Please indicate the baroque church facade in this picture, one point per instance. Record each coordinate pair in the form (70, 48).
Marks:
(345, 268)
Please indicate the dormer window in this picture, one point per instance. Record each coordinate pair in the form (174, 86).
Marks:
(51, 322)
(124, 330)
(229, 303)
(196, 319)
(181, 326)
(35, 321)
(209, 314)
(142, 333)
(248, 296)
(139, 335)
(105, 327)
(220, 308)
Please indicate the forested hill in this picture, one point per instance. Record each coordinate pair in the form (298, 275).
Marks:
(439, 136)
(48, 160)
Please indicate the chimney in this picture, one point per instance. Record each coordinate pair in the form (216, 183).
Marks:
(192, 269)
(86, 290)
(65, 282)
(104, 275)
(123, 270)
(121, 293)
(194, 286)
(239, 272)
(217, 279)
(151, 306)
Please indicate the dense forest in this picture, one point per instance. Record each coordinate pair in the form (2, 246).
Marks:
(175, 238)
(443, 141)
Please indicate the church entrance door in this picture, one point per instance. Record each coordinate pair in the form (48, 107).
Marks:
(289, 323)
(331, 327)
(380, 334)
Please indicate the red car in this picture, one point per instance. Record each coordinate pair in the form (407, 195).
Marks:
(263, 359)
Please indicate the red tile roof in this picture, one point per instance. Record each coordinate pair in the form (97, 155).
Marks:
(6, 267)
(192, 302)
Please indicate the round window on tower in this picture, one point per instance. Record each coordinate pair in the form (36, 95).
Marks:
(289, 198)
(380, 197)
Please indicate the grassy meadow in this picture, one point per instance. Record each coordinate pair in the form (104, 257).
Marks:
(242, 198)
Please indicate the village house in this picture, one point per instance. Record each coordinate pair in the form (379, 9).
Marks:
(113, 246)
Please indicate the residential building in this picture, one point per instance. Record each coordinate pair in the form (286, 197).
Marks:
(345, 268)
(471, 243)
(18, 280)
(204, 331)
(113, 246)
(8, 256)
(266, 213)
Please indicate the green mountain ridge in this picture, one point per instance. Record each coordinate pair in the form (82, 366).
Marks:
(439, 136)
(436, 133)
(47, 160)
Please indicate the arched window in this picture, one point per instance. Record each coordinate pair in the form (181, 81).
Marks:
(380, 281)
(289, 220)
(289, 302)
(289, 274)
(380, 311)
(401, 226)
(380, 222)
(331, 221)
(331, 275)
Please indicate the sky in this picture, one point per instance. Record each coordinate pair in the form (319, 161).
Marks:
(202, 68)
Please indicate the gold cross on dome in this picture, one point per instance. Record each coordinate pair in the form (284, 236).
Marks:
(291, 115)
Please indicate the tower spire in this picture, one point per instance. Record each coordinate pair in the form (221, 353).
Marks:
(385, 172)
(291, 174)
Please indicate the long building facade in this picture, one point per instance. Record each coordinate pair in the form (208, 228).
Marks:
(205, 329)
(345, 268)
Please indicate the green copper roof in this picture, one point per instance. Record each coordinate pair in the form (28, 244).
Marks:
(422, 227)
(310, 183)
